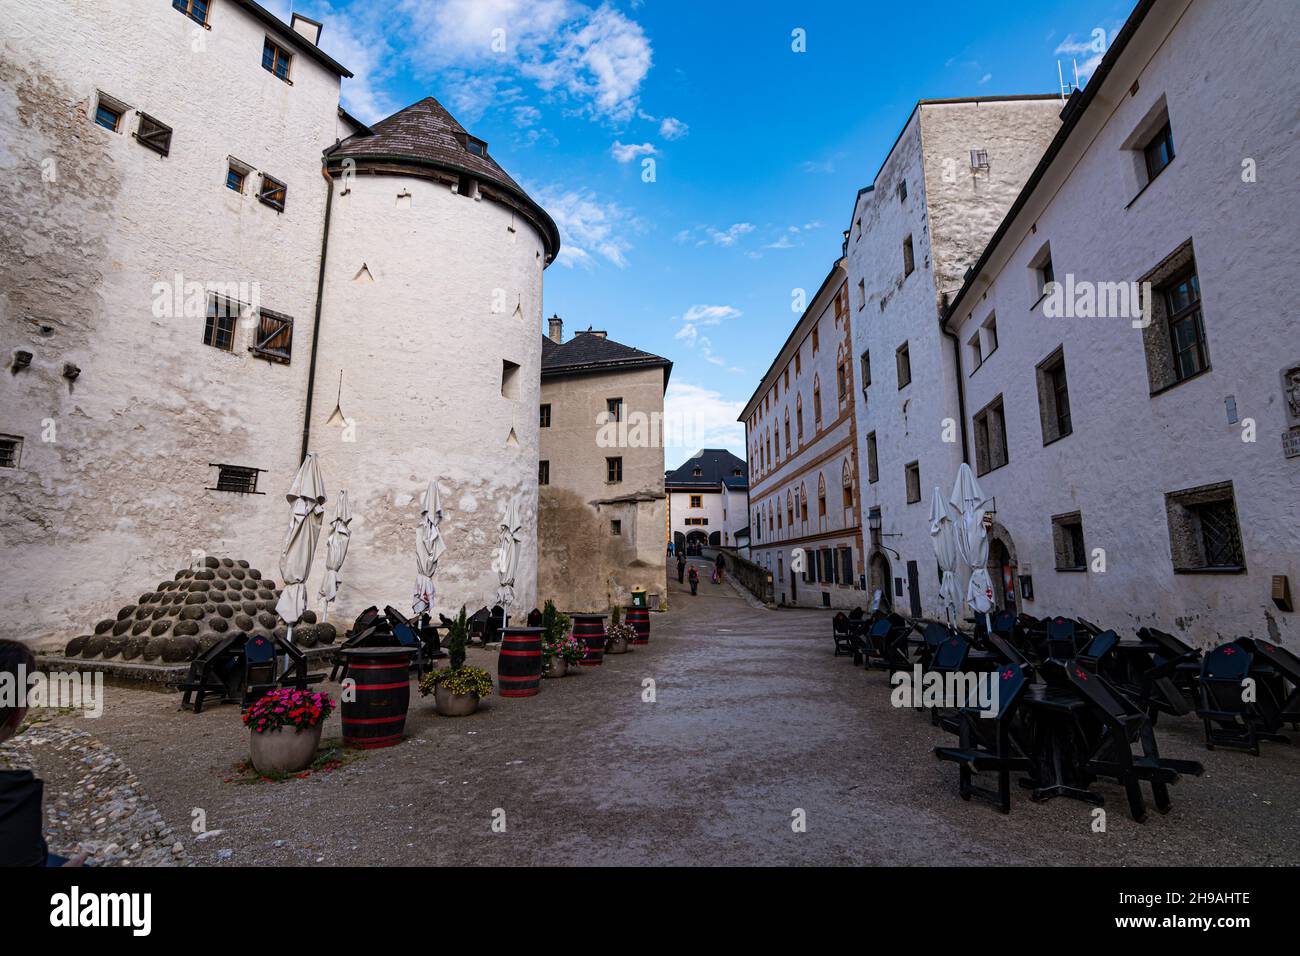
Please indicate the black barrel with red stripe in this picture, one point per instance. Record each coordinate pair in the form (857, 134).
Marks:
(376, 714)
(590, 630)
(639, 618)
(519, 664)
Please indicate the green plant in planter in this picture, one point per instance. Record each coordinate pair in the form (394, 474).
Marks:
(458, 677)
(556, 626)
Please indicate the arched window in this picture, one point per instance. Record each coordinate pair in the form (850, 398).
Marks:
(821, 497)
(787, 432)
(846, 480)
(817, 400)
(770, 523)
(789, 509)
(798, 417)
(803, 503)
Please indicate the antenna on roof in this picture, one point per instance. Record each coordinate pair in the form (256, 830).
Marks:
(1066, 88)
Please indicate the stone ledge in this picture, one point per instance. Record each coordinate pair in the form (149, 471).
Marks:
(163, 676)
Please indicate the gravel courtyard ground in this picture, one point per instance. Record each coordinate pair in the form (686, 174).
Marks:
(752, 721)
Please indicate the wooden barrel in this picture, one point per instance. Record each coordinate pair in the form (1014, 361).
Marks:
(590, 630)
(639, 618)
(519, 663)
(377, 715)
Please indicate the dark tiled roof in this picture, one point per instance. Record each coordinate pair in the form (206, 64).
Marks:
(587, 352)
(715, 465)
(425, 134)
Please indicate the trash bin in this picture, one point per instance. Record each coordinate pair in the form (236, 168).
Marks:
(638, 597)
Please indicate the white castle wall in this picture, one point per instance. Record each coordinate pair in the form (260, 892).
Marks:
(447, 293)
(89, 221)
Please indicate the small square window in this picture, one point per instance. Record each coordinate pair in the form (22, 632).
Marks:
(109, 113)
(546, 416)
(154, 135)
(11, 451)
(613, 470)
(614, 408)
(235, 179)
(237, 479)
(1067, 539)
(616, 527)
(697, 501)
(1159, 152)
(219, 328)
(979, 159)
(543, 472)
(912, 476)
(1203, 531)
(196, 10)
(272, 193)
(276, 59)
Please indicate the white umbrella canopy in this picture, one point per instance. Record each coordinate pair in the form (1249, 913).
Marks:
(336, 549)
(944, 538)
(306, 499)
(507, 561)
(429, 547)
(969, 502)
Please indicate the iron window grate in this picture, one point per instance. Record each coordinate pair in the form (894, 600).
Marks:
(237, 479)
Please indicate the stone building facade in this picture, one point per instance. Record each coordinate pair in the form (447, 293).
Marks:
(938, 197)
(199, 243)
(707, 500)
(602, 503)
(1146, 464)
(801, 432)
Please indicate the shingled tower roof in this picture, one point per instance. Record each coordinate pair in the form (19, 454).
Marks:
(425, 135)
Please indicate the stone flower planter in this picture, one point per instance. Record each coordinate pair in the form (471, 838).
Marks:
(616, 645)
(285, 750)
(454, 705)
(557, 667)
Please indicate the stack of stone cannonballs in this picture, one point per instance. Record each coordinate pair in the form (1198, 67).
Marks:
(193, 611)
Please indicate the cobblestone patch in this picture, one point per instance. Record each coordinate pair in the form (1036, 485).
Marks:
(94, 804)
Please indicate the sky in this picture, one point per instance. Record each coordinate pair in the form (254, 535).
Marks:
(760, 122)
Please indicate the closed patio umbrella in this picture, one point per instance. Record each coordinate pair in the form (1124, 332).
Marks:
(429, 547)
(306, 499)
(336, 549)
(944, 538)
(507, 561)
(969, 501)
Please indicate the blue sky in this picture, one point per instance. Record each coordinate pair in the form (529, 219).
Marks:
(758, 150)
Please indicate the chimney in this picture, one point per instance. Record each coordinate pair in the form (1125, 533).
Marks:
(599, 333)
(306, 28)
(557, 329)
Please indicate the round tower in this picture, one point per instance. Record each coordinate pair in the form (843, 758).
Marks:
(427, 360)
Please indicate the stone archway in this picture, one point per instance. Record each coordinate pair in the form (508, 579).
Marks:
(695, 541)
(1002, 568)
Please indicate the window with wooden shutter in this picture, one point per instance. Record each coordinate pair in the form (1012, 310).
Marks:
(154, 135)
(272, 192)
(274, 340)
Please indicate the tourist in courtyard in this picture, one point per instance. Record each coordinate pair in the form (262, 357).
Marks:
(22, 819)
(719, 566)
(681, 567)
(694, 579)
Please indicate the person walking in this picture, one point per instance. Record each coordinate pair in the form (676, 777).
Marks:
(694, 579)
(681, 568)
(719, 566)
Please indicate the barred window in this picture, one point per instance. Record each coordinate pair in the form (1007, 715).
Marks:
(237, 479)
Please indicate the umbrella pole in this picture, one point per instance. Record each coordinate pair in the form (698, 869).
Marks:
(288, 637)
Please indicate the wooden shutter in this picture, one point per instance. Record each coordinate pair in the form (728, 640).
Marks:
(154, 135)
(272, 192)
(274, 340)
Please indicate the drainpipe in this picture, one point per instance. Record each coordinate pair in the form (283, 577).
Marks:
(315, 328)
(961, 390)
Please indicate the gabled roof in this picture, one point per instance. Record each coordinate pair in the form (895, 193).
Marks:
(425, 134)
(715, 466)
(588, 352)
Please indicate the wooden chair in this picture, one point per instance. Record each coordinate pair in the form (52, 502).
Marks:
(990, 744)
(260, 669)
(840, 633)
(1231, 720)
(216, 672)
(1286, 667)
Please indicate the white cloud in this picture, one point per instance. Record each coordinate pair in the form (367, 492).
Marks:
(526, 116)
(672, 128)
(697, 417)
(596, 56)
(985, 78)
(1094, 47)
(824, 166)
(704, 316)
(626, 152)
(588, 227)
(728, 236)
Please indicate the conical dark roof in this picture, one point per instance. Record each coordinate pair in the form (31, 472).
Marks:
(425, 134)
